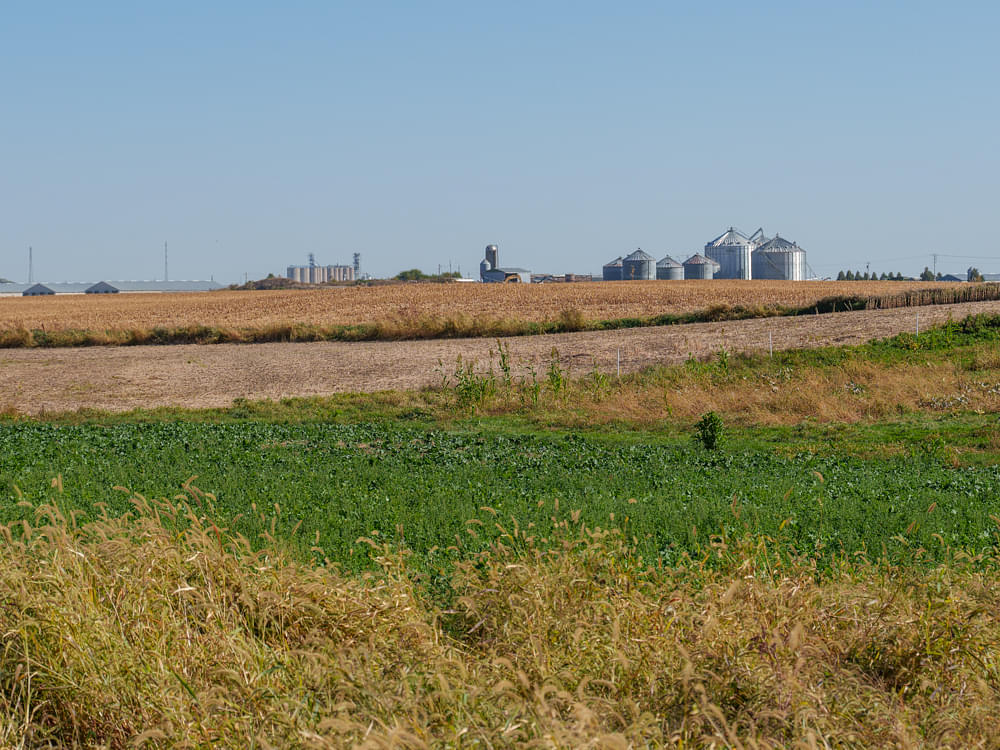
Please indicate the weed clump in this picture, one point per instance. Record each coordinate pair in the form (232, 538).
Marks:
(708, 430)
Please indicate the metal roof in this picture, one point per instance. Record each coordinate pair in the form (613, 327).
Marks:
(614, 263)
(778, 245)
(101, 287)
(731, 237)
(61, 287)
(79, 287)
(165, 286)
(668, 262)
(639, 255)
(700, 260)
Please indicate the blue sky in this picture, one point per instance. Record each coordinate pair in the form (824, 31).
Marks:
(247, 135)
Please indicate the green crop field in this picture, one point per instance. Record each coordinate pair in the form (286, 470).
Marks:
(422, 484)
(813, 560)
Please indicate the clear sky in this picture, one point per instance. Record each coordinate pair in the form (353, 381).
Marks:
(248, 134)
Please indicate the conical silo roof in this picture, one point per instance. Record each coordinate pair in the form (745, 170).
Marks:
(778, 245)
(668, 262)
(730, 238)
(614, 263)
(639, 255)
(700, 260)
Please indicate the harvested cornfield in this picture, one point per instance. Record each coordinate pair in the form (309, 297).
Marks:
(399, 303)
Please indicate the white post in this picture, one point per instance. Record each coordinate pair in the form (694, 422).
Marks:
(918, 324)
(619, 362)
(770, 345)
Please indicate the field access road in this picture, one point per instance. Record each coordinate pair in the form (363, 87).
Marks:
(34, 381)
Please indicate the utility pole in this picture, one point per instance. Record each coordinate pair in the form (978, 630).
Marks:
(935, 255)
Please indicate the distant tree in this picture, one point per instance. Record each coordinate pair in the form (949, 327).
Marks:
(841, 276)
(939, 276)
(849, 276)
(414, 274)
(858, 276)
(927, 274)
(882, 277)
(974, 275)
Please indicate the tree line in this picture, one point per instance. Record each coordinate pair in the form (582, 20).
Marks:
(927, 274)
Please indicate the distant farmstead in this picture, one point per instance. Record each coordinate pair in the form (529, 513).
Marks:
(490, 272)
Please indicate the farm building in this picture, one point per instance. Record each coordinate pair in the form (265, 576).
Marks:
(104, 287)
(779, 260)
(700, 267)
(756, 257)
(490, 272)
(731, 250)
(101, 287)
(638, 266)
(313, 274)
(38, 290)
(669, 269)
(613, 270)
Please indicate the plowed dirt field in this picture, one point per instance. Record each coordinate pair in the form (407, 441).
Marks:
(119, 379)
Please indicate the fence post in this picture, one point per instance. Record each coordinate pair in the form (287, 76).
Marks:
(770, 345)
(619, 362)
(918, 324)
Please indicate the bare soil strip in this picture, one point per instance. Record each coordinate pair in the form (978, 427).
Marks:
(34, 381)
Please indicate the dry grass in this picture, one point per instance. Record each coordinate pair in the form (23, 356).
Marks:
(398, 306)
(163, 629)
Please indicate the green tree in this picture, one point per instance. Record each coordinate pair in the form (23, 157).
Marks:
(414, 274)
(841, 276)
(927, 274)
(974, 275)
(849, 276)
(882, 277)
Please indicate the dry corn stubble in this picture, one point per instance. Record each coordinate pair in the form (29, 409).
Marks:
(398, 305)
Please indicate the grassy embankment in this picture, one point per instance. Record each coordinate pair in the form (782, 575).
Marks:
(822, 582)
(417, 327)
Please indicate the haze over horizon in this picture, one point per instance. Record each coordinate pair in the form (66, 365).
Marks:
(247, 136)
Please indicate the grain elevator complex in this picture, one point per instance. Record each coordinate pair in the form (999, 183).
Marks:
(731, 255)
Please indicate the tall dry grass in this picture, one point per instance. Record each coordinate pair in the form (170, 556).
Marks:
(165, 629)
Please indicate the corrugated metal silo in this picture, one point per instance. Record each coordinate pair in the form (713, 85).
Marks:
(613, 270)
(731, 250)
(669, 269)
(639, 266)
(779, 260)
(700, 267)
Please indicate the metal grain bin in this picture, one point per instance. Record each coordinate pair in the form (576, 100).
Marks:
(639, 266)
(613, 270)
(731, 250)
(700, 267)
(669, 269)
(780, 260)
